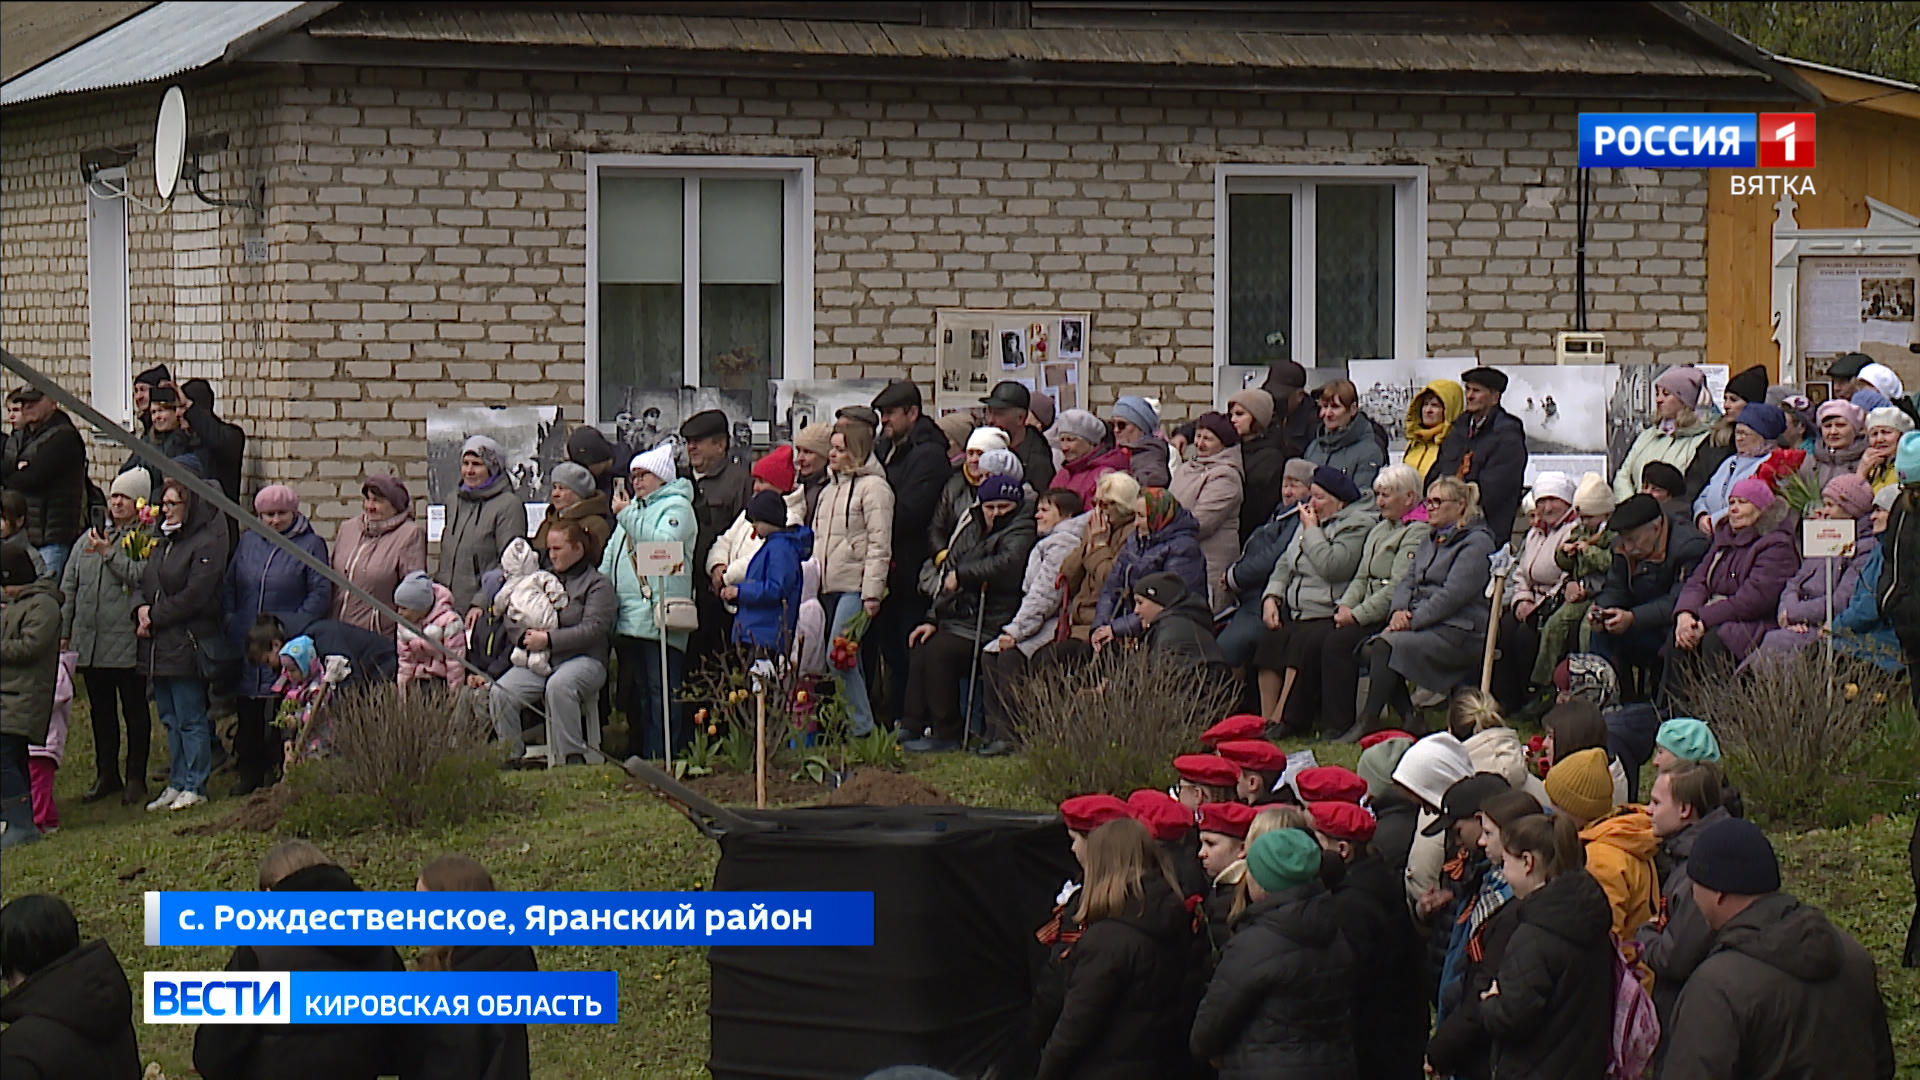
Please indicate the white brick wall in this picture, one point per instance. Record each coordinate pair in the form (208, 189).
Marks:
(428, 246)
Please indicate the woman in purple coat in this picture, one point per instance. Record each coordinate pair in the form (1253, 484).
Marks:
(1803, 606)
(261, 580)
(1167, 538)
(1733, 597)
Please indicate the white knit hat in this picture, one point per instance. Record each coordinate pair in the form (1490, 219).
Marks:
(658, 461)
(987, 438)
(1553, 485)
(135, 484)
(1886, 416)
(1594, 497)
(1433, 765)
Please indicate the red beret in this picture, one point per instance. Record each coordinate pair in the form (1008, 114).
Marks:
(1368, 742)
(1211, 769)
(1256, 754)
(1163, 815)
(1085, 813)
(1342, 821)
(1330, 783)
(1242, 726)
(1227, 818)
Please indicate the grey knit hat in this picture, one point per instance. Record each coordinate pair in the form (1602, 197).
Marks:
(415, 593)
(576, 478)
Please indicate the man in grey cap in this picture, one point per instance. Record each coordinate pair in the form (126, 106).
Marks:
(721, 486)
(915, 459)
(1008, 407)
(1845, 373)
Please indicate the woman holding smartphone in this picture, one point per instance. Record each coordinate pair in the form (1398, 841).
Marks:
(98, 584)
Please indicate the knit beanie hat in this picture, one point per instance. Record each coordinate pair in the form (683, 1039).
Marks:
(815, 437)
(276, 497)
(1889, 417)
(776, 469)
(1884, 498)
(1283, 858)
(1683, 382)
(658, 461)
(1581, 785)
(1042, 409)
(575, 478)
(1749, 386)
(1688, 739)
(1845, 410)
(135, 484)
(1854, 495)
(1733, 856)
(1257, 402)
(1755, 491)
(1299, 470)
(1138, 412)
(1435, 764)
(987, 438)
(1221, 427)
(1377, 763)
(1906, 459)
(1553, 484)
(1082, 425)
(765, 506)
(1001, 489)
(415, 592)
(1882, 378)
(1594, 497)
(1766, 421)
(1002, 462)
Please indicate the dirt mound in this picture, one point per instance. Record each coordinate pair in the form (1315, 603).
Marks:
(736, 789)
(259, 812)
(878, 787)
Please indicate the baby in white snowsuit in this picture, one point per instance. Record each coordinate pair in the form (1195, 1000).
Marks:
(530, 599)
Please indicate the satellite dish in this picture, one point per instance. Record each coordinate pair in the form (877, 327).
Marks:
(170, 142)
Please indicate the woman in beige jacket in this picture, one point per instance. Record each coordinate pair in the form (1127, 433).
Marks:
(377, 550)
(853, 539)
(1211, 488)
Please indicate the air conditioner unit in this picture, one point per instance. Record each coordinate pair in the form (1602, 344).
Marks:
(1580, 347)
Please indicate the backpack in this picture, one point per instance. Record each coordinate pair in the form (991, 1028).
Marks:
(1636, 1027)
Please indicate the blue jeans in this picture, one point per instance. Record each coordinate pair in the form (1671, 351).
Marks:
(639, 696)
(841, 608)
(183, 710)
(55, 556)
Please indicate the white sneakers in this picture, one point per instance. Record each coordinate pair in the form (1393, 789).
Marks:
(175, 799)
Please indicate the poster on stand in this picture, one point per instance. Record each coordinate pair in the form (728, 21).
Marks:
(532, 439)
(1045, 351)
(800, 403)
(1863, 304)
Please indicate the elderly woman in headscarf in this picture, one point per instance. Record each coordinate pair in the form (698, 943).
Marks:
(485, 517)
(1110, 523)
(376, 550)
(1843, 440)
(1165, 537)
(1211, 487)
(1753, 436)
(1885, 425)
(1087, 453)
(1804, 604)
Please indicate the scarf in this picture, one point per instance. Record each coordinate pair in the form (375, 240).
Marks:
(372, 527)
(1161, 508)
(1435, 434)
(172, 527)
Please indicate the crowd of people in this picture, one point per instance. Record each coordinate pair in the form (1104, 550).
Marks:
(1275, 542)
(70, 1011)
(1450, 908)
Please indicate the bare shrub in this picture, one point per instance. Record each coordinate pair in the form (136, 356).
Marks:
(1805, 736)
(1116, 724)
(402, 760)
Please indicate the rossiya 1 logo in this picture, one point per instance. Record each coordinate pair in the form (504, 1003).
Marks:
(1706, 141)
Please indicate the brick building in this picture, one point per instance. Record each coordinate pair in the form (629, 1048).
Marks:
(506, 203)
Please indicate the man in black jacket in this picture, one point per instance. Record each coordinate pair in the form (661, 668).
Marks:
(1632, 615)
(1008, 407)
(979, 593)
(917, 469)
(45, 460)
(721, 487)
(1389, 993)
(1487, 446)
(1296, 413)
(1178, 623)
(68, 1009)
(168, 433)
(223, 445)
(372, 656)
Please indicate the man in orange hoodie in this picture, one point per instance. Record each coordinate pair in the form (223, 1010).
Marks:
(1619, 839)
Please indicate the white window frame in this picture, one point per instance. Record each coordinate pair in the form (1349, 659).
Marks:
(109, 299)
(1409, 248)
(796, 174)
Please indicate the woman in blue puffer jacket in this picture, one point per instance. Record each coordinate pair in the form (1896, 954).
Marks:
(261, 580)
(1167, 538)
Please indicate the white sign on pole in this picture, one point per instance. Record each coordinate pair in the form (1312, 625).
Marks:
(1822, 539)
(661, 558)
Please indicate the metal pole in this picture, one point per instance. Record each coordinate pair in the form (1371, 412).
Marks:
(973, 671)
(666, 703)
(760, 744)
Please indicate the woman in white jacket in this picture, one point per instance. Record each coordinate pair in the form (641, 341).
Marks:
(853, 538)
(1061, 523)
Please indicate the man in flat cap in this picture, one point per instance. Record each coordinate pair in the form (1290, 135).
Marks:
(721, 487)
(1008, 408)
(1487, 446)
(915, 458)
(1632, 615)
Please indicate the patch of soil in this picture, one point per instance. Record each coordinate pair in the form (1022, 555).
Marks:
(736, 789)
(879, 787)
(259, 812)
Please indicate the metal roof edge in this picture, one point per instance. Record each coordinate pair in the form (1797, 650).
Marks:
(1737, 48)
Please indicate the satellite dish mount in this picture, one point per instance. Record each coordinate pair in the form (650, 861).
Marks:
(177, 157)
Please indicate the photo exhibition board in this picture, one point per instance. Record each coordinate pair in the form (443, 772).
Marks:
(1862, 304)
(1045, 351)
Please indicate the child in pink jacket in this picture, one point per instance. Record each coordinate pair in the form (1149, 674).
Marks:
(429, 606)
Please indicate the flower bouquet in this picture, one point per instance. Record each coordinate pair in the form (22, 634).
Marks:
(139, 541)
(844, 651)
(1781, 472)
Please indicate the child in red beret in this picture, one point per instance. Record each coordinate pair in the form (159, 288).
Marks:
(1206, 778)
(1239, 726)
(1223, 847)
(1261, 766)
(1171, 825)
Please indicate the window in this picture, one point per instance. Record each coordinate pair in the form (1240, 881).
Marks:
(700, 274)
(108, 330)
(1321, 265)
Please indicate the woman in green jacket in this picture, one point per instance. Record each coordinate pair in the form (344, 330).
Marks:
(1368, 601)
(1675, 435)
(661, 510)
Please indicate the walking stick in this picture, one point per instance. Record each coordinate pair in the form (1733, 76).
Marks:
(973, 670)
(1493, 630)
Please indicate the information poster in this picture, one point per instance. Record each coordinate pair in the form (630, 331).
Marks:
(1045, 351)
(1860, 304)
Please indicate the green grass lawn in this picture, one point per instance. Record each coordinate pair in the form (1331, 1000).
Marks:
(588, 832)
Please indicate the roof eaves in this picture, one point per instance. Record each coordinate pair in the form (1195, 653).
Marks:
(1737, 48)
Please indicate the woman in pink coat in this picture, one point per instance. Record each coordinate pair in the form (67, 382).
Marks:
(1087, 453)
(1731, 600)
(377, 550)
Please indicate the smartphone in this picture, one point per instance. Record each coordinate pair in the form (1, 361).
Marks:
(100, 520)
